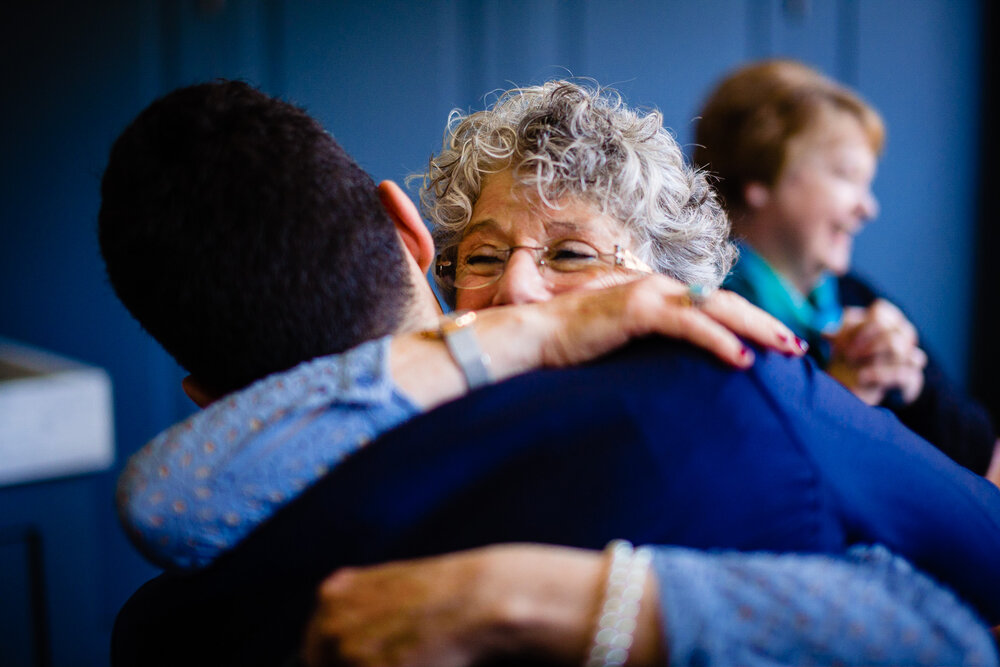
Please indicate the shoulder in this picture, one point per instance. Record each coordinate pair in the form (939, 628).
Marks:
(648, 394)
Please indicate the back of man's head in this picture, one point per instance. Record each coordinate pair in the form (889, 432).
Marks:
(244, 238)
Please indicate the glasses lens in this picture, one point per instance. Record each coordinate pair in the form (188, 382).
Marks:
(573, 256)
(480, 266)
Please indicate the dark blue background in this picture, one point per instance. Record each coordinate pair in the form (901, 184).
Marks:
(382, 77)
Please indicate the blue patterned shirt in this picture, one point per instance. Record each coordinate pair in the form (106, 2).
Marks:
(760, 610)
(201, 486)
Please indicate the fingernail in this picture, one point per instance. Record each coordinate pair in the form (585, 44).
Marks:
(804, 346)
(746, 355)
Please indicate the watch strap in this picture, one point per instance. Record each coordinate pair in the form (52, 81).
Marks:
(460, 337)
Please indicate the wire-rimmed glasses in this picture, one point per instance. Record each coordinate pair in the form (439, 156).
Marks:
(568, 261)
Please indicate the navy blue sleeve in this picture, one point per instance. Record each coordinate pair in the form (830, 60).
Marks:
(889, 486)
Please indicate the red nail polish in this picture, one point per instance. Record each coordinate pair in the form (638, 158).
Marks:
(746, 355)
(804, 346)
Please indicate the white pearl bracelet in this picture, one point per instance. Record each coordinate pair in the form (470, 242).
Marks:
(620, 608)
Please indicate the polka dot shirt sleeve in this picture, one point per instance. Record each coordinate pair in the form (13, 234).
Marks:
(866, 608)
(201, 486)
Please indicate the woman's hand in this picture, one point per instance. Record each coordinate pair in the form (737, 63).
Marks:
(525, 601)
(588, 324)
(876, 351)
(577, 327)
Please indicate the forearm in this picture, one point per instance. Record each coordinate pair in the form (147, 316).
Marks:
(579, 327)
(512, 340)
(698, 608)
(701, 608)
(553, 611)
(495, 604)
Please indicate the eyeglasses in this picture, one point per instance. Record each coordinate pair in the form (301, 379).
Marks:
(570, 261)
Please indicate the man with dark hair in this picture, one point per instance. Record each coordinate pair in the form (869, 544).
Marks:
(234, 286)
(485, 469)
(245, 240)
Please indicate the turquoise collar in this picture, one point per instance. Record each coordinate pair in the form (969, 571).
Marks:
(809, 317)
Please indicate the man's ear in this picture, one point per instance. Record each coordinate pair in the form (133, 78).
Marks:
(409, 225)
(201, 396)
(756, 195)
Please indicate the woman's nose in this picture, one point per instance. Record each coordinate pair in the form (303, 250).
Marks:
(867, 206)
(522, 281)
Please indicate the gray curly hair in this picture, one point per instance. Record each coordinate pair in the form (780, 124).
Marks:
(563, 139)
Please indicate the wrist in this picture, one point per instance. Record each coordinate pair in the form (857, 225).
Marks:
(459, 335)
(424, 371)
(618, 618)
(513, 337)
(541, 601)
(649, 646)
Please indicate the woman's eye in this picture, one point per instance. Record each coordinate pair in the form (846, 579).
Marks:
(572, 251)
(570, 255)
(483, 260)
(840, 171)
(850, 174)
(484, 255)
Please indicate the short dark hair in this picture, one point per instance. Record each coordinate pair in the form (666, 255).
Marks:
(243, 238)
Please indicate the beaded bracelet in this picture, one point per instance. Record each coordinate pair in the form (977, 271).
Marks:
(620, 608)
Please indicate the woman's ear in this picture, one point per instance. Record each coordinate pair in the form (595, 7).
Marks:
(756, 195)
(409, 225)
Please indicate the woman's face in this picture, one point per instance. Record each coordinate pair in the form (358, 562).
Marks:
(821, 201)
(574, 234)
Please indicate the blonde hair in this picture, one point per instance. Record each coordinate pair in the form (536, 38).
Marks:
(752, 117)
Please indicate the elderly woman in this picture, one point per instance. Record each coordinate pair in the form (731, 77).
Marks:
(579, 182)
(795, 154)
(549, 191)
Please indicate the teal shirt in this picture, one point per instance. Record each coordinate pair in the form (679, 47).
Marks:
(810, 317)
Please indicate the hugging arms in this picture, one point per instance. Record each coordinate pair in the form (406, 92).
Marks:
(258, 427)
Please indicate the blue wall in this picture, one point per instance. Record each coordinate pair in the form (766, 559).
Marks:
(382, 76)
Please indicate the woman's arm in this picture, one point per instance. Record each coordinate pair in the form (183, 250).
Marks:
(578, 327)
(531, 601)
(200, 487)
